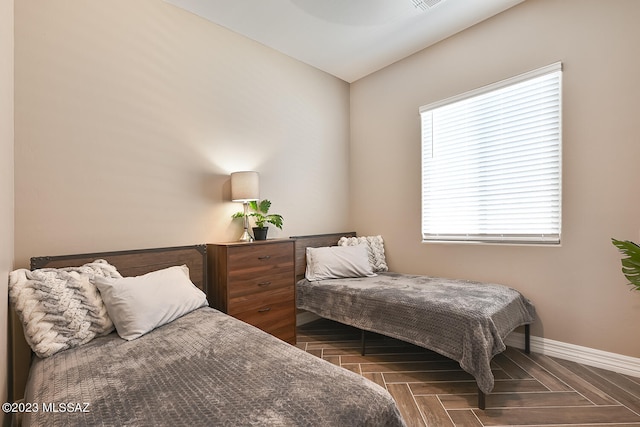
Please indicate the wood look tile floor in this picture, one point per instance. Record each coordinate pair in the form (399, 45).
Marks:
(431, 390)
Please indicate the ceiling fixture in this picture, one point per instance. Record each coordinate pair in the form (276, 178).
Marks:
(361, 13)
(424, 4)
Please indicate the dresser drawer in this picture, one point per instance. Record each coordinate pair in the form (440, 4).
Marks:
(276, 319)
(259, 283)
(254, 301)
(247, 261)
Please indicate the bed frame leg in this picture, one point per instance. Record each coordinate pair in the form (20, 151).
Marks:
(362, 340)
(527, 339)
(482, 401)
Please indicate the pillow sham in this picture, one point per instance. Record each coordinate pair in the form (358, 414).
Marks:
(137, 305)
(375, 250)
(60, 308)
(334, 262)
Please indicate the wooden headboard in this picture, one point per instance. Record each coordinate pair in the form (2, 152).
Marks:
(313, 241)
(139, 261)
(129, 263)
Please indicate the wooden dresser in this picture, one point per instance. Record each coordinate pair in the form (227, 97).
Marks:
(255, 282)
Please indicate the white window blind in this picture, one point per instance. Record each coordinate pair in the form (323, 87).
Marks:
(491, 162)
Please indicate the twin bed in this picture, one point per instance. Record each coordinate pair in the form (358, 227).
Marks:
(463, 320)
(203, 367)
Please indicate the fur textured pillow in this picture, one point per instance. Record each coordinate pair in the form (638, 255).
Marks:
(60, 308)
(375, 250)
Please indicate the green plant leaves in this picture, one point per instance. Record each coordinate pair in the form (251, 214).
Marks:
(260, 214)
(630, 264)
(276, 220)
(264, 206)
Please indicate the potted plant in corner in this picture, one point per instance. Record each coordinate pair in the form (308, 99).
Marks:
(630, 264)
(261, 216)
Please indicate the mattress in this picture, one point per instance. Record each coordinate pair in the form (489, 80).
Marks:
(205, 368)
(463, 320)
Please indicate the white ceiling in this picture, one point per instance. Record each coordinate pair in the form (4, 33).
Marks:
(346, 38)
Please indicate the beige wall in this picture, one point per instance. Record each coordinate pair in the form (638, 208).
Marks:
(6, 179)
(580, 294)
(130, 115)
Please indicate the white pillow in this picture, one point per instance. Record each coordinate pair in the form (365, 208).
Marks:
(140, 304)
(334, 262)
(375, 250)
(59, 307)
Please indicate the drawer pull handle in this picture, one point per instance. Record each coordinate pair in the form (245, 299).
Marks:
(263, 310)
(264, 257)
(264, 283)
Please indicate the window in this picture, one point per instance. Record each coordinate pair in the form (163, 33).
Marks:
(491, 162)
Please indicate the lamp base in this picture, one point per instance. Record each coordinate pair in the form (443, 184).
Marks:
(246, 237)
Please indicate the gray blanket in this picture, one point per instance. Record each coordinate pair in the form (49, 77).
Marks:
(205, 368)
(465, 321)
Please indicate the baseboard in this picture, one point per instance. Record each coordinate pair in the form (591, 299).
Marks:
(587, 356)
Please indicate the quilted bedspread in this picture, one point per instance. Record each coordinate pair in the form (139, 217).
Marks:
(205, 368)
(462, 320)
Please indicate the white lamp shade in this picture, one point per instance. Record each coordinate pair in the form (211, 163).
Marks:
(245, 186)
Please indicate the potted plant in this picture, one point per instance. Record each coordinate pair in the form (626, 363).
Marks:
(261, 216)
(630, 264)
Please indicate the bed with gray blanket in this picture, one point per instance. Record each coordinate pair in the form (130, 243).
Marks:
(205, 368)
(201, 368)
(463, 320)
